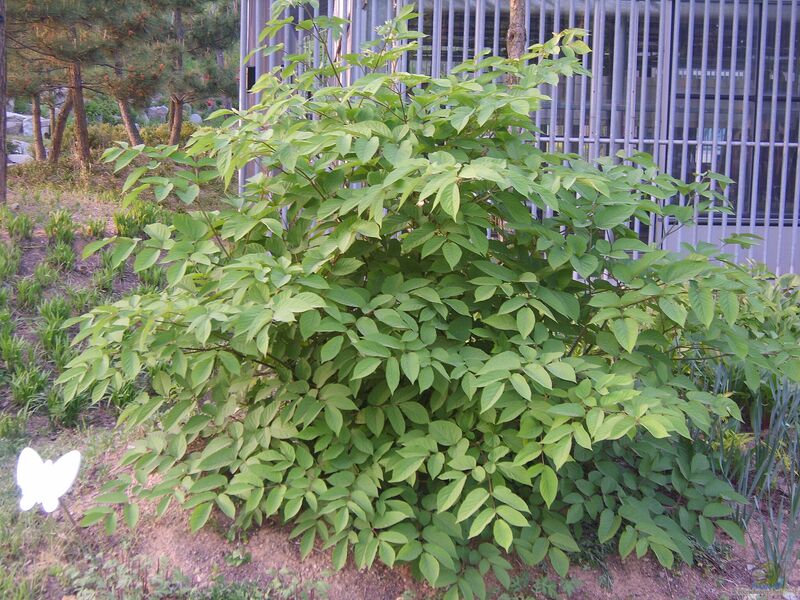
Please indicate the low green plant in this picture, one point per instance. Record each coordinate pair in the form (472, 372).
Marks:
(766, 471)
(45, 275)
(344, 348)
(528, 586)
(82, 299)
(55, 310)
(9, 261)
(60, 227)
(110, 263)
(4, 296)
(27, 384)
(13, 349)
(29, 292)
(131, 222)
(96, 228)
(55, 343)
(61, 256)
(19, 227)
(6, 322)
(103, 279)
(152, 278)
(107, 576)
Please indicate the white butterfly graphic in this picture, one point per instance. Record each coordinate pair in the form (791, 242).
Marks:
(44, 481)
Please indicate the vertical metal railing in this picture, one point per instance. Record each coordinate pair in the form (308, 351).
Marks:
(701, 84)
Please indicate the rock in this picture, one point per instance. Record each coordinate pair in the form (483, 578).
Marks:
(789, 596)
(195, 118)
(19, 159)
(157, 113)
(20, 147)
(27, 126)
(14, 123)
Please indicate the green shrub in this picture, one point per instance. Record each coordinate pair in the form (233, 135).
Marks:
(105, 135)
(60, 227)
(61, 257)
(102, 109)
(345, 350)
(4, 296)
(20, 227)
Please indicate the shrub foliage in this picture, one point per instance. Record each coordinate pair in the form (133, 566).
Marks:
(345, 349)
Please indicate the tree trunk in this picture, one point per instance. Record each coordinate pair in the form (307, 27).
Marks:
(3, 152)
(177, 120)
(39, 153)
(82, 149)
(57, 129)
(132, 130)
(517, 35)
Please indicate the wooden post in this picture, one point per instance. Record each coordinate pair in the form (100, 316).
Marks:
(3, 153)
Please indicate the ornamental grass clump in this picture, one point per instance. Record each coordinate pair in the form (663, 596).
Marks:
(343, 348)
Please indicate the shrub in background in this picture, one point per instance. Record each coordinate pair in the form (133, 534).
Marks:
(343, 348)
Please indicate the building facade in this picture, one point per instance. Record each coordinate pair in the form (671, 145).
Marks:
(700, 84)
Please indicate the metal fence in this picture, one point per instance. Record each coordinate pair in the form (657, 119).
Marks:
(700, 84)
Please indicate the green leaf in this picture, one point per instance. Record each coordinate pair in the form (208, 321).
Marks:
(525, 321)
(473, 501)
(608, 526)
(480, 522)
(520, 385)
(131, 514)
(585, 265)
(558, 560)
(673, 310)
(663, 554)
(429, 567)
(732, 529)
(392, 373)
(365, 149)
(331, 348)
(199, 516)
(626, 331)
(445, 433)
(506, 496)
(491, 394)
(627, 541)
(502, 534)
(452, 254)
(538, 374)
(448, 495)
(548, 485)
(450, 199)
(702, 302)
(729, 304)
(365, 367)
(409, 362)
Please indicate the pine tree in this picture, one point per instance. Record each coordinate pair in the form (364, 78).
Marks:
(61, 35)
